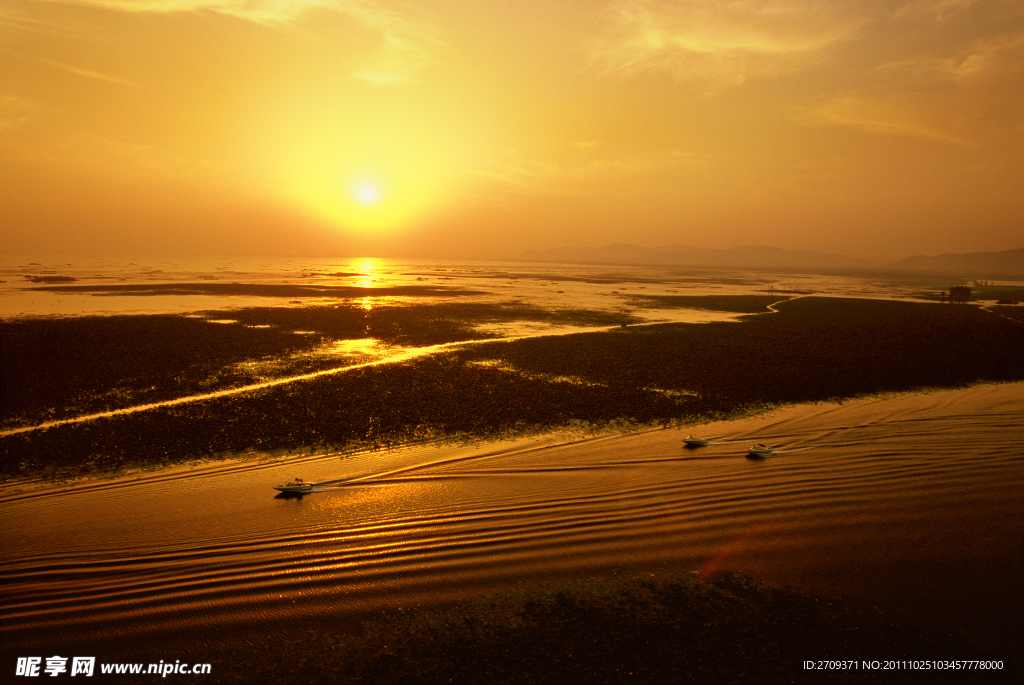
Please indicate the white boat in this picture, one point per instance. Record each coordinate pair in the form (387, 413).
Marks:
(297, 485)
(760, 451)
(692, 441)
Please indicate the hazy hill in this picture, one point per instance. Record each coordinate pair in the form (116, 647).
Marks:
(1005, 264)
(745, 256)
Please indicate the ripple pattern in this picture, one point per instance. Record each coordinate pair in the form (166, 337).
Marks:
(911, 502)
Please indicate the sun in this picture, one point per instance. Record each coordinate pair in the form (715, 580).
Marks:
(367, 194)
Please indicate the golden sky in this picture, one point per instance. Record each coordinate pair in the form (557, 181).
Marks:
(878, 128)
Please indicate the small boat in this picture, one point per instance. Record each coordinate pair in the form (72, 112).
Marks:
(692, 441)
(297, 485)
(759, 451)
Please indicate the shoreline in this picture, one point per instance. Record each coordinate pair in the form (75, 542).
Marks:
(19, 484)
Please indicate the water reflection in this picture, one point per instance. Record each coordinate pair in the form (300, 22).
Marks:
(367, 269)
(605, 288)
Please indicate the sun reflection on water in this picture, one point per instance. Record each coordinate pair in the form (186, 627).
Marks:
(368, 270)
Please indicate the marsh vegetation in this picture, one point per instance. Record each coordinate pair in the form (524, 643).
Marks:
(813, 349)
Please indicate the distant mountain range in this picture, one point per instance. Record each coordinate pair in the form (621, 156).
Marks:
(1006, 264)
(747, 256)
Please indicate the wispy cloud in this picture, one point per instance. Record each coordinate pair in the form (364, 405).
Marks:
(11, 18)
(101, 156)
(875, 115)
(253, 10)
(89, 73)
(116, 156)
(722, 43)
(14, 111)
(406, 47)
(938, 9)
(620, 174)
(963, 94)
(406, 41)
(987, 57)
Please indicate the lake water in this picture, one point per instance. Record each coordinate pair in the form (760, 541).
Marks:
(544, 285)
(909, 503)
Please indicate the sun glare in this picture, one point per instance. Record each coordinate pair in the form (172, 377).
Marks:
(367, 194)
(362, 204)
(385, 182)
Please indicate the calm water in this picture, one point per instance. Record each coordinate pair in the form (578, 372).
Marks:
(884, 502)
(554, 286)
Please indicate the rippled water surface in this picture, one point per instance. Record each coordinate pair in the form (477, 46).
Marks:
(910, 503)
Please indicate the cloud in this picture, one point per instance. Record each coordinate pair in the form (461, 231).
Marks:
(939, 9)
(14, 111)
(253, 10)
(88, 73)
(621, 175)
(722, 43)
(874, 115)
(406, 48)
(989, 63)
(11, 18)
(405, 44)
(115, 156)
(97, 156)
(986, 57)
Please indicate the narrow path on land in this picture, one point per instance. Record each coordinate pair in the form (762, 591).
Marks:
(988, 308)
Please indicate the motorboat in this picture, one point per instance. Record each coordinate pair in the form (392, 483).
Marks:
(760, 451)
(693, 441)
(298, 486)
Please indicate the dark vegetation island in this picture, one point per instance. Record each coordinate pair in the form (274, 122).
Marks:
(812, 349)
